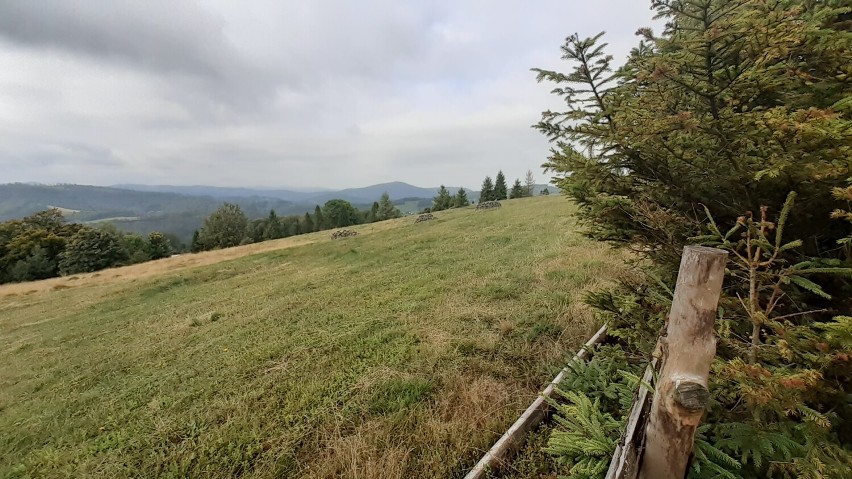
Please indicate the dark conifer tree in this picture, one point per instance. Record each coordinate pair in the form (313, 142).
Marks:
(319, 221)
(443, 201)
(517, 190)
(487, 190)
(460, 200)
(500, 189)
(386, 209)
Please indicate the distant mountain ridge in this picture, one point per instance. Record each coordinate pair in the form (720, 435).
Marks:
(182, 209)
(220, 191)
(397, 190)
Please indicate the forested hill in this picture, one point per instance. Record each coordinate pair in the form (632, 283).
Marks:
(397, 190)
(181, 209)
(135, 211)
(94, 202)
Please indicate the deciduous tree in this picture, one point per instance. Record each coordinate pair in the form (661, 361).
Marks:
(92, 249)
(30, 248)
(529, 184)
(339, 213)
(224, 228)
(158, 246)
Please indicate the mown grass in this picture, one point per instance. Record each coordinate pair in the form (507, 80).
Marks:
(403, 352)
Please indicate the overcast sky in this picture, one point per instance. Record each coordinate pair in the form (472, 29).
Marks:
(284, 93)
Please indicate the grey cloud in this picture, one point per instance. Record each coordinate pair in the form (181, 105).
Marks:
(273, 93)
(163, 35)
(174, 38)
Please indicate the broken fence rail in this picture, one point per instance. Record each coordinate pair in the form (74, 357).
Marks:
(514, 437)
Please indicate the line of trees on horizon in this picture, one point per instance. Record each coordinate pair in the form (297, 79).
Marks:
(492, 190)
(45, 245)
(229, 226)
(496, 190)
(445, 200)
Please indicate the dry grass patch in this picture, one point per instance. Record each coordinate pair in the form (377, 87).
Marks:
(157, 267)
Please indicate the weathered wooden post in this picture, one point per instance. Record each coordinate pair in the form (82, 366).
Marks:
(688, 350)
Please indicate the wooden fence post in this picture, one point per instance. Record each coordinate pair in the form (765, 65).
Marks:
(688, 350)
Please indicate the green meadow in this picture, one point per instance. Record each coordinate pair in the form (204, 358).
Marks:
(403, 352)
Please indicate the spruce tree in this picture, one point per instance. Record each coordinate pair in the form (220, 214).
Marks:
(195, 245)
(273, 227)
(500, 189)
(706, 135)
(319, 221)
(487, 190)
(460, 200)
(443, 201)
(307, 223)
(386, 209)
(517, 190)
(373, 214)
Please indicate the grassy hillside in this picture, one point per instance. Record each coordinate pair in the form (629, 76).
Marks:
(403, 352)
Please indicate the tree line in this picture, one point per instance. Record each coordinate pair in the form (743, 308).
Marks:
(229, 226)
(44, 245)
(445, 200)
(496, 190)
(492, 190)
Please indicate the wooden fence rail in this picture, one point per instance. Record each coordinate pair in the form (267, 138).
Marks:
(660, 433)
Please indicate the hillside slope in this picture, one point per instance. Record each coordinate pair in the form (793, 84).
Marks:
(403, 352)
